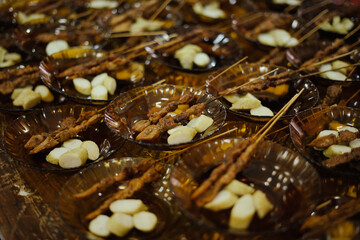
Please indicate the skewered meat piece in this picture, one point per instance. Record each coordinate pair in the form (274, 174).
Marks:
(342, 158)
(22, 81)
(324, 141)
(155, 116)
(319, 223)
(65, 132)
(139, 126)
(15, 72)
(256, 85)
(127, 173)
(219, 170)
(135, 184)
(333, 92)
(321, 54)
(241, 162)
(168, 122)
(328, 140)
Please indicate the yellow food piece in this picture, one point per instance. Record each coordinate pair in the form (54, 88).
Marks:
(73, 158)
(46, 95)
(279, 90)
(127, 206)
(92, 148)
(223, 200)
(239, 188)
(145, 221)
(242, 212)
(183, 107)
(335, 125)
(98, 226)
(31, 100)
(262, 204)
(178, 111)
(120, 224)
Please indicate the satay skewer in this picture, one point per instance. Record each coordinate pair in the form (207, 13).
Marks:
(225, 173)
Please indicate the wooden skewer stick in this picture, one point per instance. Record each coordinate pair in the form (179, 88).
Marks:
(332, 59)
(249, 82)
(160, 9)
(263, 131)
(143, 45)
(311, 22)
(316, 6)
(352, 32)
(356, 93)
(136, 34)
(311, 32)
(227, 69)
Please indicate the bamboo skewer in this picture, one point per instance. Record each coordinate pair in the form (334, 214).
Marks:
(311, 22)
(161, 8)
(271, 123)
(227, 69)
(332, 59)
(136, 34)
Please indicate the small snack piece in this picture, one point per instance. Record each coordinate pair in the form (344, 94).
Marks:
(55, 154)
(56, 46)
(103, 4)
(337, 75)
(201, 123)
(335, 149)
(171, 131)
(186, 55)
(98, 226)
(201, 59)
(23, 18)
(355, 143)
(120, 224)
(350, 129)
(245, 102)
(182, 135)
(211, 10)
(262, 204)
(127, 206)
(92, 149)
(110, 85)
(335, 125)
(141, 25)
(261, 111)
(338, 25)
(324, 133)
(17, 92)
(242, 212)
(19, 100)
(31, 100)
(82, 85)
(46, 95)
(72, 143)
(73, 158)
(99, 93)
(342, 65)
(277, 38)
(98, 79)
(223, 200)
(239, 188)
(145, 221)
